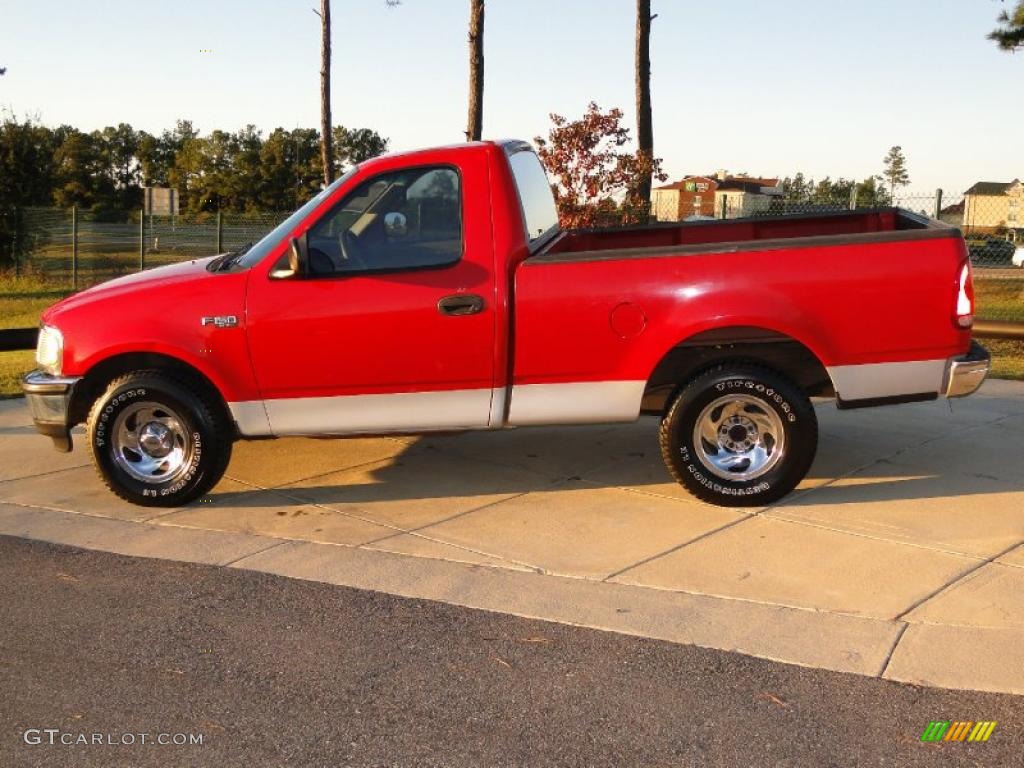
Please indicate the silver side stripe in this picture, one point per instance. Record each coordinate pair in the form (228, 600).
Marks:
(860, 382)
(587, 402)
(573, 403)
(400, 412)
(251, 418)
(567, 403)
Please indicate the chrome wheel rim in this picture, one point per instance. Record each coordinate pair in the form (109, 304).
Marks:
(150, 443)
(739, 437)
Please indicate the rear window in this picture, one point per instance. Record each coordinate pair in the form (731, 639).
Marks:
(538, 201)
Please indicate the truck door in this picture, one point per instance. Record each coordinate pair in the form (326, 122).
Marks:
(392, 329)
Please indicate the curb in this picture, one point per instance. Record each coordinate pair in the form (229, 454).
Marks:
(934, 655)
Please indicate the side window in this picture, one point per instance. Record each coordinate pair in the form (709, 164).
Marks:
(408, 219)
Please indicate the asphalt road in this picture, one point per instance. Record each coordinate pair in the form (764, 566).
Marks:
(274, 672)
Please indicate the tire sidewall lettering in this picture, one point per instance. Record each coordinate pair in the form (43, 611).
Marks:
(697, 472)
(101, 440)
(103, 422)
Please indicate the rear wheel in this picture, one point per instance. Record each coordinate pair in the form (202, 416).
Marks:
(158, 440)
(739, 435)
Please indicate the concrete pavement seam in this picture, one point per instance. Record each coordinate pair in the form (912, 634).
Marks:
(774, 505)
(859, 534)
(676, 548)
(44, 474)
(277, 543)
(416, 531)
(892, 650)
(786, 501)
(45, 508)
(732, 598)
(305, 479)
(956, 580)
(167, 513)
(398, 529)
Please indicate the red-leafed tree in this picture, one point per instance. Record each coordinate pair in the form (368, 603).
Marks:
(596, 179)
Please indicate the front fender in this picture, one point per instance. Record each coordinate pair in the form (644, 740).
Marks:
(164, 319)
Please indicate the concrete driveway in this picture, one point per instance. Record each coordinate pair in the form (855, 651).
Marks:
(900, 556)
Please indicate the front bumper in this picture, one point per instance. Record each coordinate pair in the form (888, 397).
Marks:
(964, 374)
(49, 402)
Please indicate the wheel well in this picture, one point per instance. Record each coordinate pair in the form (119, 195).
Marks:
(100, 375)
(758, 345)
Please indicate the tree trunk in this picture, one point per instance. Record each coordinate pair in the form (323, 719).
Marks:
(474, 127)
(644, 129)
(326, 152)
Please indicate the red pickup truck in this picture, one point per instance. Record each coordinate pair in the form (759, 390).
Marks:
(434, 291)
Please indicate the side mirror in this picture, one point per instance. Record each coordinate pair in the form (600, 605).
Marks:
(395, 224)
(297, 256)
(296, 264)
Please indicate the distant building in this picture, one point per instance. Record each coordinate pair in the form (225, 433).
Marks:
(953, 214)
(992, 206)
(738, 197)
(717, 195)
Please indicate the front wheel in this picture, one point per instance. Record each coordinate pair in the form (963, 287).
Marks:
(739, 436)
(157, 441)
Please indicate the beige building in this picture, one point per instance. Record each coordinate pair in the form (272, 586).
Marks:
(717, 195)
(990, 206)
(739, 197)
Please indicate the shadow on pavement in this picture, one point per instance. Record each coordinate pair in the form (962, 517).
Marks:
(627, 456)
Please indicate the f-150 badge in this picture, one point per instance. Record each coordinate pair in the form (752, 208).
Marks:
(221, 321)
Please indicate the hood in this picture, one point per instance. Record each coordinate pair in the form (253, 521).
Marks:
(157, 278)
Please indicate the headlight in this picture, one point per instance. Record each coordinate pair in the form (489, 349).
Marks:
(50, 350)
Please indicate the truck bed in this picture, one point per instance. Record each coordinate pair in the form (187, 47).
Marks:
(732, 235)
(868, 296)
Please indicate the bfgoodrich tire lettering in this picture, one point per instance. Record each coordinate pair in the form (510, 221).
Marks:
(739, 435)
(158, 440)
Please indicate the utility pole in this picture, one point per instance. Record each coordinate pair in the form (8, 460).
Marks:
(475, 124)
(326, 152)
(644, 121)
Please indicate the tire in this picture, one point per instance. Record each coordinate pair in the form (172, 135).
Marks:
(158, 440)
(739, 435)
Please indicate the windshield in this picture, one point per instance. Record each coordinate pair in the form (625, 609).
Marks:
(538, 201)
(272, 238)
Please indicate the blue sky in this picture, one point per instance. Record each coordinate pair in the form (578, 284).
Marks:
(770, 88)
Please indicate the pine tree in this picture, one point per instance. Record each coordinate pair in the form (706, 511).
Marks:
(1010, 36)
(896, 169)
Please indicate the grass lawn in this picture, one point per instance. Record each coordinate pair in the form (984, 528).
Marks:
(22, 299)
(999, 299)
(12, 366)
(1007, 358)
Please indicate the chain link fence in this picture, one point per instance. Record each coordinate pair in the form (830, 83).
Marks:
(992, 225)
(75, 249)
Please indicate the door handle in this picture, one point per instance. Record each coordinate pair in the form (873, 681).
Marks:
(460, 304)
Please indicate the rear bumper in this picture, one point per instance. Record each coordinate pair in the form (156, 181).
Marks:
(49, 401)
(965, 373)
